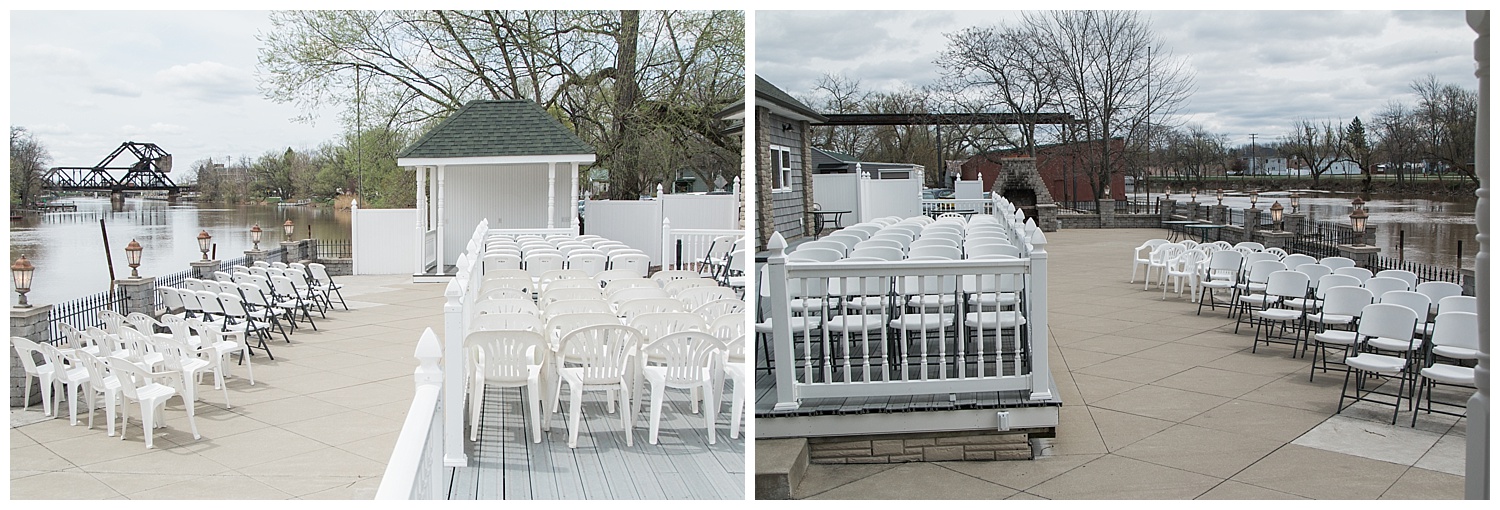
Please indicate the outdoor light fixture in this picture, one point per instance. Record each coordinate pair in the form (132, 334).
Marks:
(255, 236)
(133, 257)
(786, 127)
(1193, 195)
(287, 228)
(1220, 195)
(1295, 202)
(204, 242)
(1169, 192)
(1357, 219)
(1358, 203)
(1254, 195)
(20, 275)
(1276, 210)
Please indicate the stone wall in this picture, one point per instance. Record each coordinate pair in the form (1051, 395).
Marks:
(1120, 221)
(338, 267)
(926, 447)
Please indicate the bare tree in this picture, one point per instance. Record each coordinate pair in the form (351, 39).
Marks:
(1396, 137)
(1447, 115)
(1315, 145)
(836, 93)
(1001, 69)
(28, 162)
(1110, 73)
(1356, 148)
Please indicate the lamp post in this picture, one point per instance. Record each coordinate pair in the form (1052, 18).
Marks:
(1254, 195)
(133, 257)
(1276, 210)
(1193, 195)
(287, 228)
(255, 237)
(1220, 196)
(20, 275)
(1357, 220)
(1295, 202)
(204, 241)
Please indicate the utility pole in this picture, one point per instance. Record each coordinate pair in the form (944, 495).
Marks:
(1252, 153)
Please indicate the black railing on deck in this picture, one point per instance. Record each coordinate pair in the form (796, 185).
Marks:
(83, 312)
(1425, 273)
(335, 249)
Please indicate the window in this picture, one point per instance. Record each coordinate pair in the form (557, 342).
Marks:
(781, 167)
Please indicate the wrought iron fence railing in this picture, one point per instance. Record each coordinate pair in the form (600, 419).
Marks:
(1424, 272)
(83, 312)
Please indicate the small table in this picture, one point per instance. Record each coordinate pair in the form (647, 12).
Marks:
(966, 213)
(1174, 228)
(821, 217)
(1203, 230)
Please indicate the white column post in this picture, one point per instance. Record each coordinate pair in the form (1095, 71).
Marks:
(428, 373)
(551, 194)
(782, 351)
(1477, 452)
(442, 219)
(453, 376)
(573, 200)
(421, 220)
(1036, 289)
(861, 193)
(734, 191)
(666, 245)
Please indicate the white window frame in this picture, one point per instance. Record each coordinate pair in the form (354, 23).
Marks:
(781, 166)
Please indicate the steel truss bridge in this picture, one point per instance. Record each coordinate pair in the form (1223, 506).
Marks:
(147, 173)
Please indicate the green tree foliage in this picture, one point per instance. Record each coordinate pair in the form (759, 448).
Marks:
(28, 162)
(642, 87)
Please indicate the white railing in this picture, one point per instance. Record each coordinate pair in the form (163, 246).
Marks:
(429, 249)
(522, 232)
(911, 327)
(415, 470)
(694, 245)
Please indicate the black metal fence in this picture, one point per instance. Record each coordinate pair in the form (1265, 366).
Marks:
(83, 312)
(1322, 241)
(335, 249)
(1120, 206)
(1425, 273)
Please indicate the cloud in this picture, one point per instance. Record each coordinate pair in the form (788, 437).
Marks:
(207, 81)
(50, 129)
(116, 87)
(49, 60)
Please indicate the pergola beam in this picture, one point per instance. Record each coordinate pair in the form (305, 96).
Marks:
(944, 119)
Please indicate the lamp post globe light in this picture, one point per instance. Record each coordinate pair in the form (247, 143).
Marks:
(1295, 202)
(204, 242)
(1357, 220)
(1276, 211)
(20, 275)
(287, 228)
(1220, 196)
(1193, 195)
(1254, 196)
(133, 258)
(255, 237)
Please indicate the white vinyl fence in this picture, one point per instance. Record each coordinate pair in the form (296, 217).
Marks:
(911, 327)
(415, 469)
(382, 239)
(637, 223)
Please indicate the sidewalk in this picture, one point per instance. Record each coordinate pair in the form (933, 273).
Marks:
(319, 423)
(1160, 403)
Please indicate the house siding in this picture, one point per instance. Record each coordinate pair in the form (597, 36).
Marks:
(787, 210)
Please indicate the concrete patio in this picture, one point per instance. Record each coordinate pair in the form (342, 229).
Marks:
(1160, 403)
(319, 423)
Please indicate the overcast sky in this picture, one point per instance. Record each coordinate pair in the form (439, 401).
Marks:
(1255, 71)
(85, 81)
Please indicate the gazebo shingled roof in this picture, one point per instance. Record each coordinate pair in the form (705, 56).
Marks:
(497, 128)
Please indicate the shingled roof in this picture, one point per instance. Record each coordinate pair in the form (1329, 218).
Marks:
(497, 128)
(765, 91)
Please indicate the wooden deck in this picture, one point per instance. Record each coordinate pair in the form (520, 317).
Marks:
(505, 464)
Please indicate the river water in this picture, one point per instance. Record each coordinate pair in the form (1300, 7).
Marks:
(1432, 228)
(68, 250)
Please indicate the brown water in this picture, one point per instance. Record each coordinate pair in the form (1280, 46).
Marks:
(1432, 228)
(68, 250)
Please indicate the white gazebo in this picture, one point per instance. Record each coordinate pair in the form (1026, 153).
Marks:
(507, 161)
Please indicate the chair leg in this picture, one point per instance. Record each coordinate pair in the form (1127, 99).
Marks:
(657, 391)
(627, 415)
(534, 402)
(575, 411)
(476, 402)
(711, 409)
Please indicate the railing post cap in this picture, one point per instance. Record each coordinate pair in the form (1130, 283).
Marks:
(454, 290)
(777, 242)
(666, 222)
(428, 349)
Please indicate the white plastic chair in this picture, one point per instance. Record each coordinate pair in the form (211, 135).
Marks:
(508, 359)
(1341, 305)
(1383, 321)
(139, 385)
(1142, 256)
(605, 357)
(101, 383)
(1455, 335)
(689, 360)
(637, 263)
(1407, 276)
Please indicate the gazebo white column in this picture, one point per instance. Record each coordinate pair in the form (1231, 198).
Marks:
(551, 194)
(1477, 453)
(442, 220)
(421, 220)
(573, 200)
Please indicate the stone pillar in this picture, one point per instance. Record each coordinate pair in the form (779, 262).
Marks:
(1294, 223)
(1167, 207)
(30, 323)
(138, 295)
(310, 248)
(253, 256)
(1219, 214)
(1046, 217)
(1276, 239)
(1192, 211)
(204, 269)
(1106, 213)
(1363, 254)
(1252, 223)
(291, 251)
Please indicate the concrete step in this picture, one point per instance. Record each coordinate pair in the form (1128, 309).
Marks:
(779, 467)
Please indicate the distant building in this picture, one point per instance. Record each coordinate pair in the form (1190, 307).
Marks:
(783, 154)
(1060, 167)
